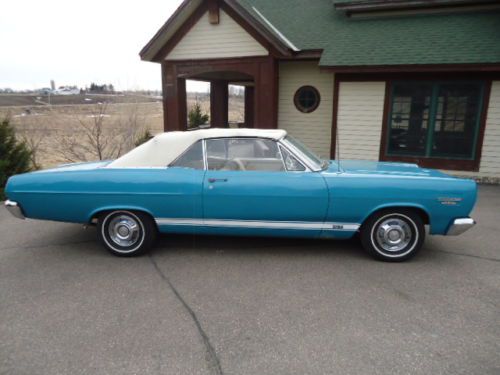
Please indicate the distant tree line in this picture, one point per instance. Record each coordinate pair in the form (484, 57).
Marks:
(95, 88)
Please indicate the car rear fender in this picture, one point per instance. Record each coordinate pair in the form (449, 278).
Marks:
(95, 213)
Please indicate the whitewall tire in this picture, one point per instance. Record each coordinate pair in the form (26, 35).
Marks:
(393, 235)
(126, 233)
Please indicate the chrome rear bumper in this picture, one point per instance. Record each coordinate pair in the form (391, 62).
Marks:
(14, 209)
(460, 226)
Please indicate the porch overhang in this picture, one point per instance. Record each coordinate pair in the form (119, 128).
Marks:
(190, 11)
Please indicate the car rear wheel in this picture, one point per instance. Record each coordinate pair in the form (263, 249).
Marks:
(393, 235)
(126, 233)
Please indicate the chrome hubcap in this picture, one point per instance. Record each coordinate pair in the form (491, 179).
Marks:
(124, 230)
(393, 234)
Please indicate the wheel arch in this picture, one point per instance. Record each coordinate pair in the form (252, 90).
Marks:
(420, 210)
(99, 211)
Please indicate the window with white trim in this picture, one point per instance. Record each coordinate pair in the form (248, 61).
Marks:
(439, 120)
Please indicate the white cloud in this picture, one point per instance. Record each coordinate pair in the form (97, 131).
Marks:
(79, 42)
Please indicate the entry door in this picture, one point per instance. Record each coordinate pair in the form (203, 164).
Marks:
(246, 189)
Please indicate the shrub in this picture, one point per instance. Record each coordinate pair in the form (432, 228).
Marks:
(15, 156)
(196, 117)
(143, 137)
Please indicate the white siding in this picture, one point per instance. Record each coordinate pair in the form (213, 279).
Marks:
(227, 39)
(490, 160)
(361, 106)
(313, 129)
(359, 121)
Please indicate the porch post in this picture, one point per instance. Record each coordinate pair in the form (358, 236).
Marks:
(249, 106)
(174, 99)
(266, 95)
(219, 104)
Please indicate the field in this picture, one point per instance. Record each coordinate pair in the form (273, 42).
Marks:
(29, 100)
(67, 130)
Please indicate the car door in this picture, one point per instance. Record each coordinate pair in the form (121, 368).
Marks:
(247, 190)
(179, 206)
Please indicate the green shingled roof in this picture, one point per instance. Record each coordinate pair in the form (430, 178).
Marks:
(460, 38)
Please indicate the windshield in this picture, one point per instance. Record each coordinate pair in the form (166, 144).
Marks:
(316, 162)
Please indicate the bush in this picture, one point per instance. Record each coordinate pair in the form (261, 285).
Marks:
(15, 156)
(196, 117)
(143, 138)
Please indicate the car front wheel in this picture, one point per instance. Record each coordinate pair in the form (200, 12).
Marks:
(393, 235)
(126, 233)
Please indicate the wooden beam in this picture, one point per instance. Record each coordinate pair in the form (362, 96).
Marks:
(249, 106)
(333, 140)
(266, 95)
(219, 104)
(213, 12)
(174, 99)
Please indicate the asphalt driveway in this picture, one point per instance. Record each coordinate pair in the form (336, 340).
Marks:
(206, 305)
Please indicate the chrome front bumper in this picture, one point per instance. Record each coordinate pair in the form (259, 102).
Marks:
(14, 209)
(460, 226)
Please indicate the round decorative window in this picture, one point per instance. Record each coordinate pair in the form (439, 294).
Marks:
(307, 99)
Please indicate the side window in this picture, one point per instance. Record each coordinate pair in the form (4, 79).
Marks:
(217, 148)
(244, 154)
(192, 158)
(291, 162)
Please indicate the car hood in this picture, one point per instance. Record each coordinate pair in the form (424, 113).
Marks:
(362, 167)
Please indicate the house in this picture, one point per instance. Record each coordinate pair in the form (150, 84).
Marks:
(411, 81)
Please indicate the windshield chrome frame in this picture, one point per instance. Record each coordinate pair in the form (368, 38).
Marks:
(296, 156)
(303, 158)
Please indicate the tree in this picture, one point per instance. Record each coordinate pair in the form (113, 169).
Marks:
(143, 137)
(14, 155)
(33, 143)
(96, 141)
(99, 136)
(196, 117)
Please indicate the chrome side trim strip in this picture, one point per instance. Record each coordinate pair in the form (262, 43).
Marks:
(14, 209)
(297, 225)
(460, 226)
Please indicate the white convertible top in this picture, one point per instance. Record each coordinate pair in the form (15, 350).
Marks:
(166, 147)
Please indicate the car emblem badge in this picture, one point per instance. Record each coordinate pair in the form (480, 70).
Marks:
(449, 201)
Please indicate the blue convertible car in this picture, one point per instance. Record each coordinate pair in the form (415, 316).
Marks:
(246, 182)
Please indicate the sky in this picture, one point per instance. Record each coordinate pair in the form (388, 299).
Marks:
(79, 42)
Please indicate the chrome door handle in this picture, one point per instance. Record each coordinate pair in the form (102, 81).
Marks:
(212, 180)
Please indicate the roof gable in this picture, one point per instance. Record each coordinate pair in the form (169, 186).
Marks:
(224, 39)
(188, 14)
